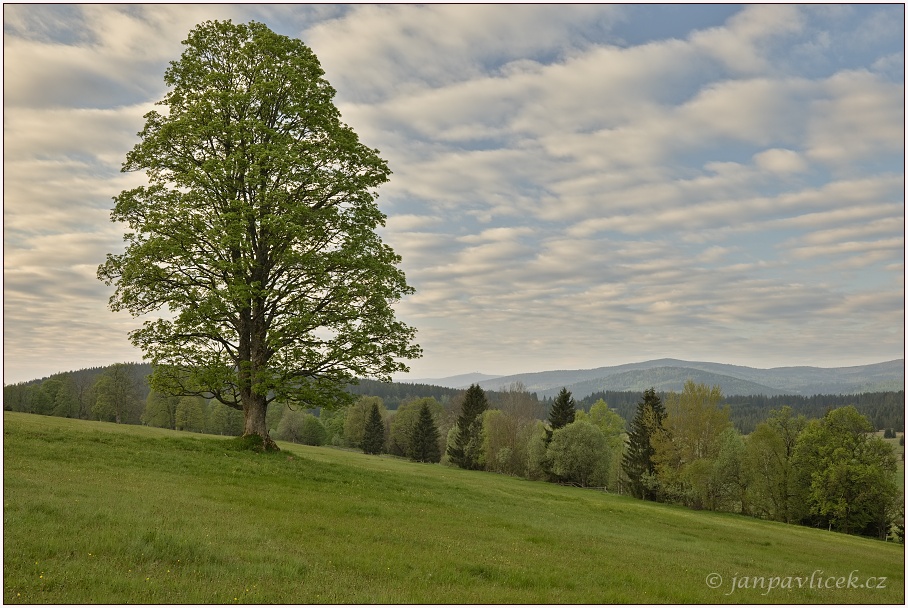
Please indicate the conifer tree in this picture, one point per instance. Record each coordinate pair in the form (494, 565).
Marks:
(563, 411)
(638, 459)
(424, 438)
(467, 446)
(374, 435)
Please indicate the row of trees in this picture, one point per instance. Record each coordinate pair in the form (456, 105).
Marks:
(883, 409)
(832, 472)
(117, 394)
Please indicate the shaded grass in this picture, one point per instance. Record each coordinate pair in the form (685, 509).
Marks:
(100, 513)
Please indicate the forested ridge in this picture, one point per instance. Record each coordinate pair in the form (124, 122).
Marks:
(885, 410)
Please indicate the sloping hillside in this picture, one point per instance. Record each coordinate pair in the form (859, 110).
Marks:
(98, 513)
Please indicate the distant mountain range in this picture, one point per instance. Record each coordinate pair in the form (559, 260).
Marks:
(671, 374)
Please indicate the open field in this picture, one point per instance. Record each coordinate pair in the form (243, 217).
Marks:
(101, 513)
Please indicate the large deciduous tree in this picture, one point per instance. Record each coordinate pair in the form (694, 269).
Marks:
(775, 491)
(257, 232)
(578, 453)
(686, 449)
(849, 474)
(117, 396)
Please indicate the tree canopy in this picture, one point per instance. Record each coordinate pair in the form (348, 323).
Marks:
(563, 410)
(465, 451)
(374, 432)
(257, 232)
(638, 461)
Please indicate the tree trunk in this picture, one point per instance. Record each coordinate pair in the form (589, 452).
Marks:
(254, 410)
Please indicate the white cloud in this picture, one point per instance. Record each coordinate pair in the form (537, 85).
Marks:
(860, 117)
(409, 48)
(741, 44)
(777, 160)
(560, 197)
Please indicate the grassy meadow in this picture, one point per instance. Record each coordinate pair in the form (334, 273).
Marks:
(103, 513)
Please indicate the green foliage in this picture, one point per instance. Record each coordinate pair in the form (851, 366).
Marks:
(312, 431)
(258, 230)
(66, 399)
(849, 474)
(693, 423)
(731, 479)
(423, 444)
(273, 415)
(333, 422)
(117, 396)
(224, 420)
(395, 394)
(774, 490)
(578, 453)
(161, 410)
(536, 447)
(563, 410)
(355, 419)
(191, 415)
(44, 396)
(300, 427)
(612, 426)
(496, 455)
(405, 419)
(638, 461)
(374, 432)
(508, 429)
(217, 420)
(466, 451)
(290, 425)
(883, 409)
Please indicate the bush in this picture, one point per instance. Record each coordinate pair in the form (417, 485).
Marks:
(578, 454)
(301, 427)
(312, 432)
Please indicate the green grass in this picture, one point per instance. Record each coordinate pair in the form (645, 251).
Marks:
(900, 459)
(100, 513)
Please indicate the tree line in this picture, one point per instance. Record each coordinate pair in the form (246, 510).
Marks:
(826, 471)
(885, 410)
(831, 472)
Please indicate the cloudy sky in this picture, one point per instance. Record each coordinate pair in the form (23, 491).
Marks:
(574, 186)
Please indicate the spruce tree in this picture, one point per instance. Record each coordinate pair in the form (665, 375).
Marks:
(563, 411)
(467, 445)
(374, 434)
(638, 459)
(424, 438)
